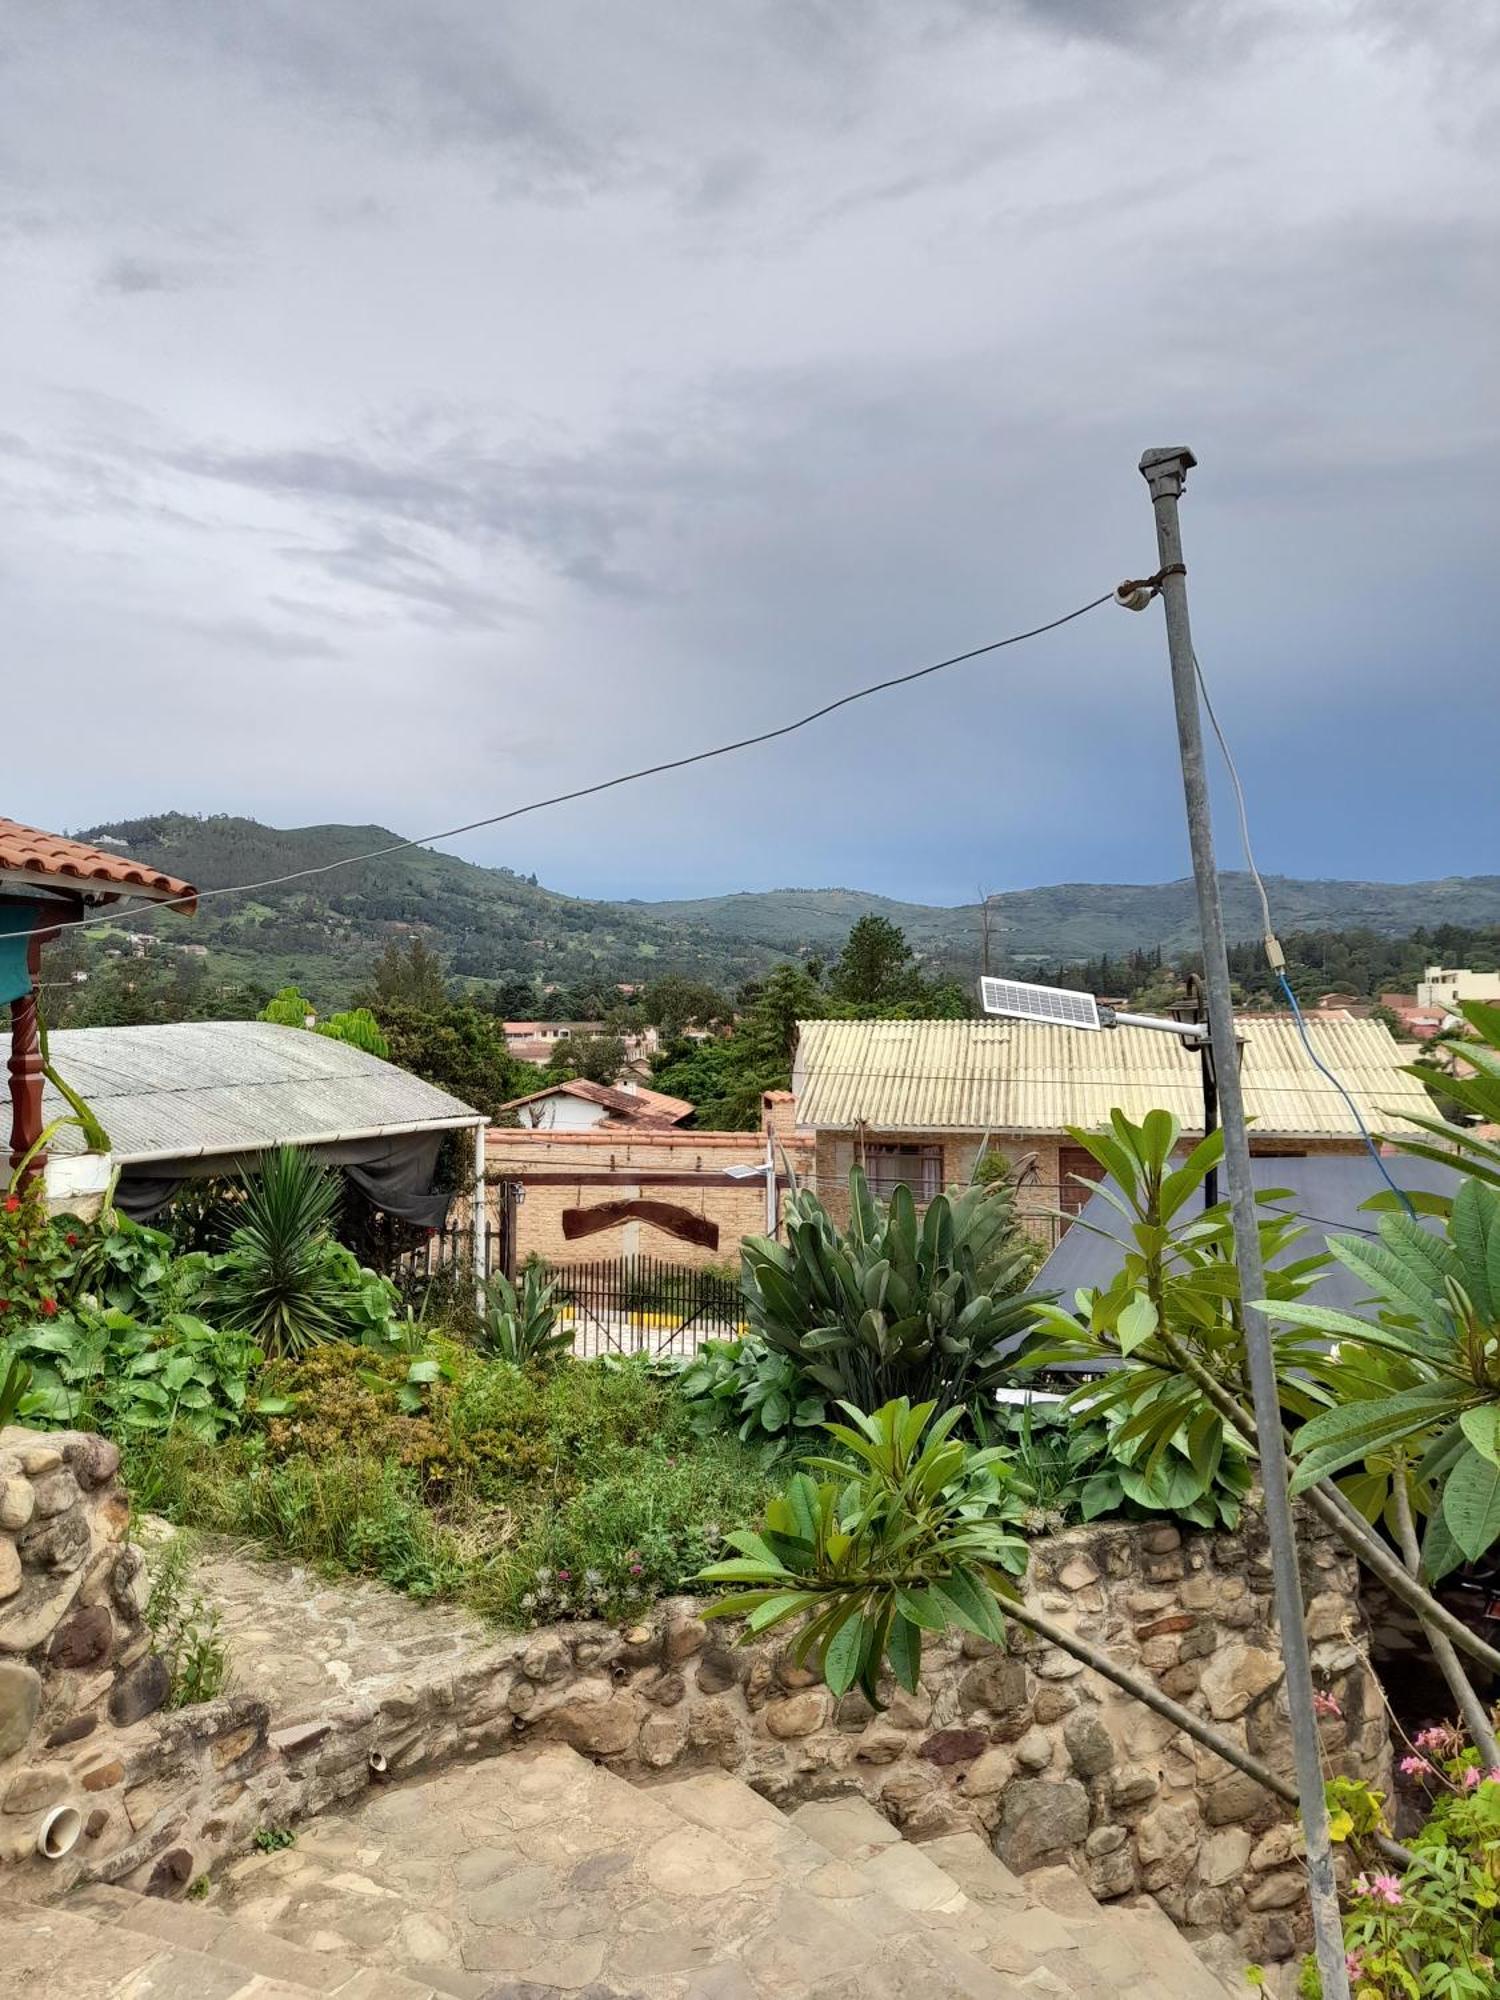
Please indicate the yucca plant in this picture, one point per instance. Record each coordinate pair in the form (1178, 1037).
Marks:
(1422, 1376)
(893, 1306)
(519, 1324)
(911, 1537)
(282, 1279)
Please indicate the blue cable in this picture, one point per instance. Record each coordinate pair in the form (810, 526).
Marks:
(1317, 1062)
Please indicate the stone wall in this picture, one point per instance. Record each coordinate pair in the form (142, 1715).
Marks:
(76, 1666)
(1023, 1745)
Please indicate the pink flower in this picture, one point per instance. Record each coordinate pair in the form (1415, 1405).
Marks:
(1470, 1779)
(1416, 1767)
(1380, 1888)
(1354, 1965)
(637, 1569)
(1324, 1704)
(565, 1576)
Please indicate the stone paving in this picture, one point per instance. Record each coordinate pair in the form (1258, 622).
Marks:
(539, 1873)
(312, 1638)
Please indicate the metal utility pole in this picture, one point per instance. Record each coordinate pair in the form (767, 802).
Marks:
(1165, 472)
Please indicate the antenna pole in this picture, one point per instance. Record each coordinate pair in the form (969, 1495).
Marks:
(1165, 472)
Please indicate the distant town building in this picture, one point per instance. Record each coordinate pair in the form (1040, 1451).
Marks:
(1445, 986)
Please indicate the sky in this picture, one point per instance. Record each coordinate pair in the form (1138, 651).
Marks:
(410, 410)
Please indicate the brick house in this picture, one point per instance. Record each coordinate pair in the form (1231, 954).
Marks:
(687, 1197)
(916, 1102)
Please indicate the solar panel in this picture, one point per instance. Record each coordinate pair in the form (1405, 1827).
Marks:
(1058, 1004)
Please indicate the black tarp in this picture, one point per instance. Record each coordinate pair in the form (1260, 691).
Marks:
(392, 1173)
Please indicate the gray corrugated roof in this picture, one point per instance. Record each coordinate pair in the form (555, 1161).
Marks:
(193, 1087)
(1032, 1077)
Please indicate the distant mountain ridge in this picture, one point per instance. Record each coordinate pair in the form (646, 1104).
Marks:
(486, 922)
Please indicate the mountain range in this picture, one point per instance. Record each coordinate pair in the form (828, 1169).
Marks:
(323, 930)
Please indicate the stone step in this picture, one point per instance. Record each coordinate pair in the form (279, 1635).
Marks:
(241, 1949)
(1156, 1940)
(1045, 1922)
(541, 1870)
(93, 1955)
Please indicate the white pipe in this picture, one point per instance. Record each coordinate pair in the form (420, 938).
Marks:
(58, 1833)
(1194, 1031)
(378, 1763)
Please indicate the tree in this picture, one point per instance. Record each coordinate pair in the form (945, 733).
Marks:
(595, 1058)
(460, 1048)
(875, 965)
(288, 1008)
(514, 999)
(673, 1003)
(409, 978)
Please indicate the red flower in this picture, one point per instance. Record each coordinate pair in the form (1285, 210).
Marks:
(49, 1307)
(12, 1203)
(71, 1240)
(4, 1305)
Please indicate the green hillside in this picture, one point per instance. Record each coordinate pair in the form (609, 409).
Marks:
(486, 923)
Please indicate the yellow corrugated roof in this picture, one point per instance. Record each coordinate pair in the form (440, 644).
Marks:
(1023, 1076)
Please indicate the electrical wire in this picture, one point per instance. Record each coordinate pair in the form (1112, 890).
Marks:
(1276, 957)
(589, 791)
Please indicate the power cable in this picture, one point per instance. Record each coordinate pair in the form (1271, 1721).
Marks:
(1276, 957)
(589, 791)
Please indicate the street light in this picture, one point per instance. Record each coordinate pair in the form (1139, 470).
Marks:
(1067, 1007)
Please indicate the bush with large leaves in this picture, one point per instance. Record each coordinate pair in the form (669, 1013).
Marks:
(519, 1322)
(282, 1278)
(932, 1308)
(910, 1537)
(1419, 1381)
(1175, 1297)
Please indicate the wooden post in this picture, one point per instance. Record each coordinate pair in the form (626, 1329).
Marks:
(25, 1072)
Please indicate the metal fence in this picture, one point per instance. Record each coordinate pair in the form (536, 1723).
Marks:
(645, 1305)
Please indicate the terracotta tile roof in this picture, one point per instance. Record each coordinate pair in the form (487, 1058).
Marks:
(633, 1107)
(59, 863)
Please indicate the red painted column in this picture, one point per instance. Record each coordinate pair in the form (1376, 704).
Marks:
(25, 1070)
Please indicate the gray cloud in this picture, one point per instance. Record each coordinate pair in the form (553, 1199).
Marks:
(517, 393)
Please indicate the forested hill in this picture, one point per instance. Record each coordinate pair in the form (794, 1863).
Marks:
(487, 923)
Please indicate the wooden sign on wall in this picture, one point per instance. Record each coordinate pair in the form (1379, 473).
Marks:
(683, 1223)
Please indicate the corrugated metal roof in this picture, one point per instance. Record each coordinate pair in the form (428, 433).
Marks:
(193, 1087)
(1026, 1077)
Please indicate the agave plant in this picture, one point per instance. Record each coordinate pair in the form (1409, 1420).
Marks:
(282, 1279)
(520, 1322)
(910, 1538)
(931, 1310)
(1422, 1377)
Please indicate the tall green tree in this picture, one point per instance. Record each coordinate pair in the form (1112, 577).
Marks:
(412, 977)
(875, 965)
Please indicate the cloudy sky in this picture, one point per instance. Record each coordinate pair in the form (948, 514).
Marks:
(407, 410)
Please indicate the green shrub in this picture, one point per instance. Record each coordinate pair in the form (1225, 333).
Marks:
(184, 1626)
(519, 1322)
(748, 1385)
(354, 1512)
(893, 1306)
(643, 1527)
(92, 1369)
(910, 1538)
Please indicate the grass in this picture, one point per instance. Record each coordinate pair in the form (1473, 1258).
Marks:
(578, 1491)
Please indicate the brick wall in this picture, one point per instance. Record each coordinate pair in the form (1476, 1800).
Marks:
(736, 1209)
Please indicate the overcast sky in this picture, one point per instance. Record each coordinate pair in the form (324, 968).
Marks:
(412, 407)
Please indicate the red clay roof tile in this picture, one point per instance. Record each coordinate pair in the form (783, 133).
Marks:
(25, 850)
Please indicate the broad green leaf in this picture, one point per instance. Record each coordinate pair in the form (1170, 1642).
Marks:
(1136, 1323)
(1482, 1428)
(842, 1657)
(1471, 1504)
(904, 1650)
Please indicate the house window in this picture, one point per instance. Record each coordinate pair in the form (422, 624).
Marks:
(918, 1167)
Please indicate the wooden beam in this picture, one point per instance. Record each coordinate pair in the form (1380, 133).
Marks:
(664, 1215)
